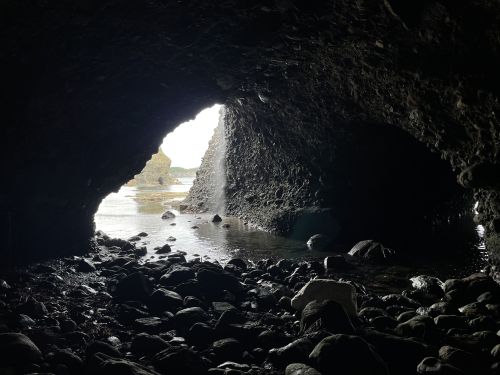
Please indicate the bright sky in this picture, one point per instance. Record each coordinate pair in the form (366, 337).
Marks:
(187, 144)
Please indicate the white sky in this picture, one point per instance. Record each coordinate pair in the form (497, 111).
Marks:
(187, 144)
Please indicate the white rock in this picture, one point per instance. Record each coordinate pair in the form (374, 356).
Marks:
(324, 289)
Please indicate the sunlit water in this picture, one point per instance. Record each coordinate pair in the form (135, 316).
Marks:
(133, 210)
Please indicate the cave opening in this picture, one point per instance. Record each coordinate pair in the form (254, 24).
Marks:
(160, 188)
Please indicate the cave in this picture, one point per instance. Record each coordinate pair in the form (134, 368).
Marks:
(350, 120)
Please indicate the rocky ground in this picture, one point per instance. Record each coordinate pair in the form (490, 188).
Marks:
(114, 313)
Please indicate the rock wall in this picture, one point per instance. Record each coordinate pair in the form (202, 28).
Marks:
(208, 191)
(156, 172)
(90, 89)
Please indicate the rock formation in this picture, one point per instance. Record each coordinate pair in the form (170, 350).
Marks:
(208, 191)
(156, 172)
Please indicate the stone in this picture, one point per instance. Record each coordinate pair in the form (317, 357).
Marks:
(238, 262)
(420, 326)
(84, 265)
(164, 300)
(216, 219)
(326, 315)
(401, 355)
(102, 347)
(323, 289)
(167, 215)
(318, 242)
(66, 357)
(16, 348)
(372, 251)
(146, 344)
(191, 315)
(432, 365)
(211, 281)
(134, 287)
(297, 350)
(176, 274)
(228, 349)
(102, 364)
(300, 369)
(461, 359)
(428, 284)
(180, 360)
(336, 262)
(164, 249)
(346, 354)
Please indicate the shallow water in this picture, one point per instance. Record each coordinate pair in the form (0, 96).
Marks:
(133, 210)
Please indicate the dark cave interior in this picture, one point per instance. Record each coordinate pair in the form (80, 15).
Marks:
(360, 119)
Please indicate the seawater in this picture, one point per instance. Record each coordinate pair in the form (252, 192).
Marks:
(132, 210)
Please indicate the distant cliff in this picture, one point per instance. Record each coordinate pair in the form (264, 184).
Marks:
(156, 172)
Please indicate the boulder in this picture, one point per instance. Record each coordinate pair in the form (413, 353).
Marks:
(432, 365)
(145, 344)
(318, 242)
(164, 300)
(134, 287)
(326, 315)
(102, 364)
(168, 215)
(16, 348)
(164, 249)
(300, 369)
(323, 289)
(216, 219)
(180, 360)
(346, 354)
(372, 251)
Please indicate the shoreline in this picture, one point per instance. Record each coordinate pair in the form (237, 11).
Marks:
(109, 311)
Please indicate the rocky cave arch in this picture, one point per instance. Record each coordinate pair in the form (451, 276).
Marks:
(89, 87)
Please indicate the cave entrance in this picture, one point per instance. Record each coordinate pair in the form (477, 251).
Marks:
(164, 182)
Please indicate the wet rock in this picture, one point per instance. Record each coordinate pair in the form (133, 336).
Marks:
(323, 289)
(372, 251)
(432, 365)
(180, 360)
(141, 251)
(420, 326)
(164, 300)
(336, 262)
(297, 350)
(461, 359)
(32, 308)
(102, 347)
(300, 369)
(134, 287)
(216, 219)
(191, 315)
(145, 344)
(176, 274)
(67, 358)
(134, 239)
(428, 285)
(17, 349)
(401, 355)
(326, 315)
(102, 364)
(84, 265)
(347, 354)
(446, 322)
(200, 334)
(318, 242)
(168, 215)
(228, 349)
(211, 281)
(164, 249)
(238, 262)
(150, 324)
